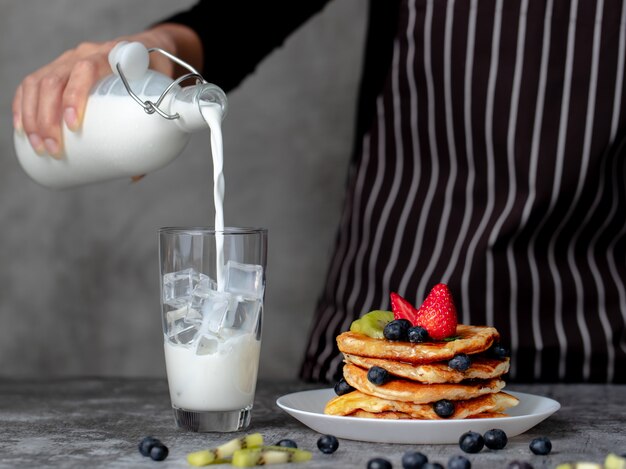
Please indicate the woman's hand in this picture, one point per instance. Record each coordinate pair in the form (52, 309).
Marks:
(58, 91)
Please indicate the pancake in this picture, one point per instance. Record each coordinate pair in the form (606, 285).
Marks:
(490, 415)
(481, 368)
(403, 416)
(418, 393)
(471, 340)
(356, 401)
(381, 415)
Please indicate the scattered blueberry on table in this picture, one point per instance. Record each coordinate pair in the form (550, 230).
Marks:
(495, 438)
(153, 448)
(379, 463)
(159, 452)
(471, 442)
(146, 444)
(459, 462)
(413, 460)
(287, 443)
(327, 444)
(541, 445)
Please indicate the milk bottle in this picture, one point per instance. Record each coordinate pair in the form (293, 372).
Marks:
(136, 121)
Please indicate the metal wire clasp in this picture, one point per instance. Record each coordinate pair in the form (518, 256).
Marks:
(148, 106)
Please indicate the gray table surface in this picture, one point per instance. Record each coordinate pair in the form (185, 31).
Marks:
(99, 422)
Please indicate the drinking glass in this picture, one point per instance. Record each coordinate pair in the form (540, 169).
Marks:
(212, 290)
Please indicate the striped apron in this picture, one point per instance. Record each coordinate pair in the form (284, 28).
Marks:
(494, 162)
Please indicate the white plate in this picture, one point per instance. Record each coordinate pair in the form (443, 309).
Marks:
(308, 408)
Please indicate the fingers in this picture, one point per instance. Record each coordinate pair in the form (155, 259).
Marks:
(40, 109)
(58, 93)
(82, 78)
(49, 113)
(28, 111)
(16, 107)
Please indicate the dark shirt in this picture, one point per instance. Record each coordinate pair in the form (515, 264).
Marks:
(238, 35)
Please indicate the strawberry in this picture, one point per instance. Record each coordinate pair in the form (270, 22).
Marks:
(402, 309)
(437, 314)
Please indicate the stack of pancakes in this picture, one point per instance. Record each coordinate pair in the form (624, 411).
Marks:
(420, 376)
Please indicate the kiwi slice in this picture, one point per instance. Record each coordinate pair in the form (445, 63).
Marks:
(222, 452)
(372, 324)
(265, 455)
(579, 465)
(613, 461)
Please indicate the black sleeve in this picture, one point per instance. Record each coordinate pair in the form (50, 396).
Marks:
(236, 35)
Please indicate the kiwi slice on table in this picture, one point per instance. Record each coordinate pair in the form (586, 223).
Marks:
(580, 465)
(266, 455)
(613, 461)
(223, 452)
(372, 324)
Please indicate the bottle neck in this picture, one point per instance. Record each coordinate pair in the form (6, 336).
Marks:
(197, 105)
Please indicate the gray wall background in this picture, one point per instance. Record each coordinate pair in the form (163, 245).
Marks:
(78, 268)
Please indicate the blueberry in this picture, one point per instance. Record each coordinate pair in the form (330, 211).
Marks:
(327, 444)
(471, 442)
(342, 387)
(432, 465)
(541, 445)
(405, 322)
(287, 443)
(418, 334)
(444, 408)
(397, 329)
(459, 462)
(495, 439)
(377, 375)
(159, 452)
(378, 463)
(519, 465)
(146, 444)
(413, 460)
(499, 351)
(460, 362)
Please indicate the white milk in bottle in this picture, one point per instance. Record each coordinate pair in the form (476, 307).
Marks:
(136, 121)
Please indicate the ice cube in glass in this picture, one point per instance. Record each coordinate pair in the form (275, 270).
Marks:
(182, 324)
(184, 335)
(244, 279)
(207, 345)
(201, 291)
(213, 309)
(178, 286)
(244, 317)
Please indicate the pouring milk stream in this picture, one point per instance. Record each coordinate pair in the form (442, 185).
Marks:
(136, 121)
